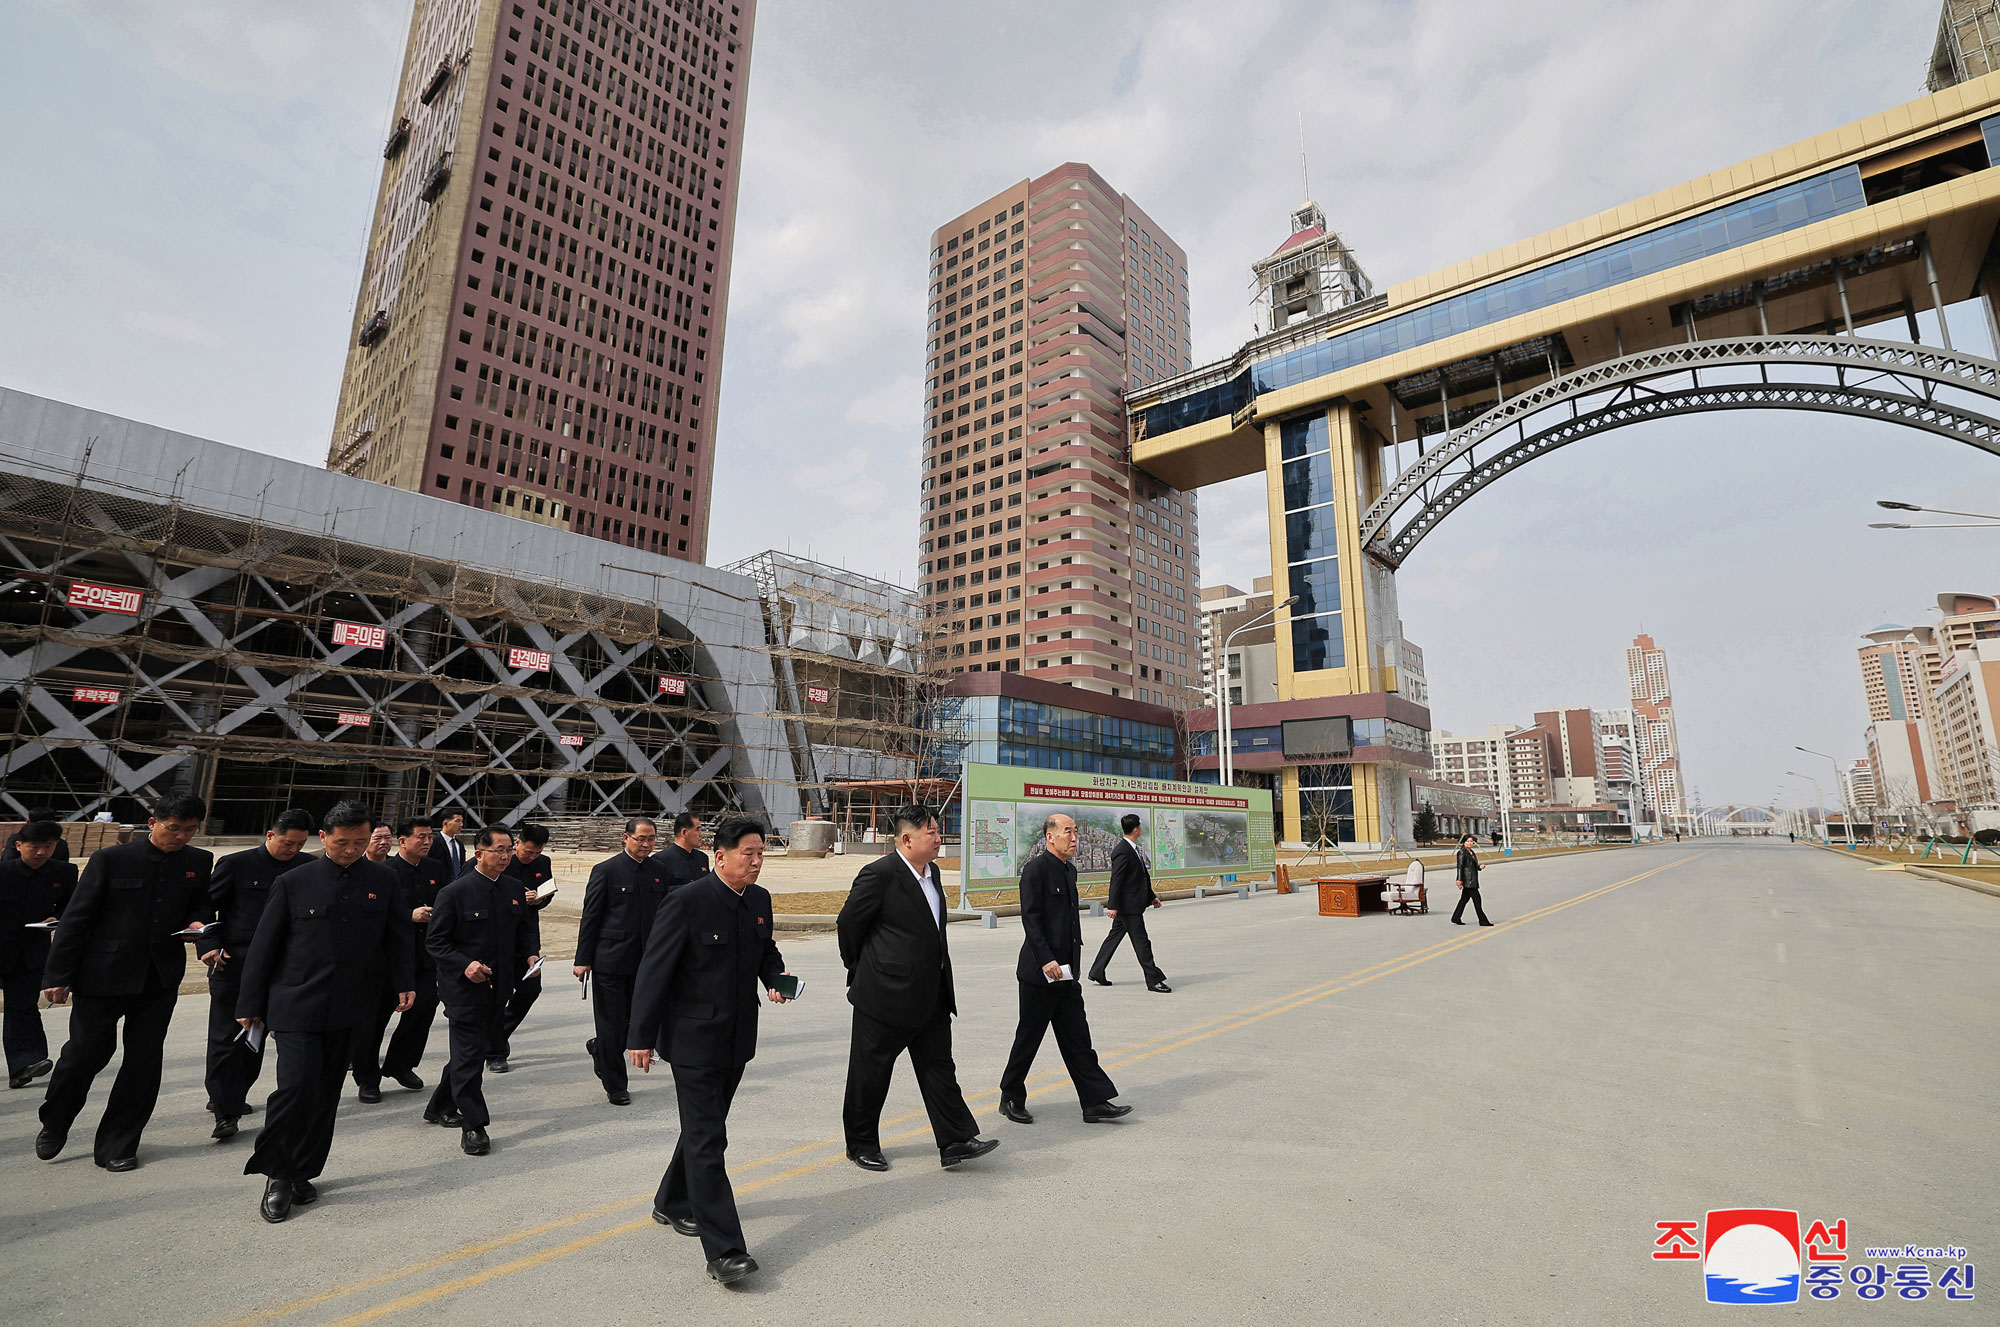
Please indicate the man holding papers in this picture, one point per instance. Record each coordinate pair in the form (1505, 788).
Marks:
(695, 999)
(483, 938)
(892, 941)
(332, 927)
(530, 869)
(1051, 950)
(620, 902)
(122, 948)
(419, 877)
(34, 890)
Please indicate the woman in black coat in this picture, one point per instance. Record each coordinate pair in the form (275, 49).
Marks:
(1468, 883)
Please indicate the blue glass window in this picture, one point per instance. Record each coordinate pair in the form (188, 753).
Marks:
(1308, 482)
(1990, 129)
(1317, 584)
(1312, 533)
(1317, 643)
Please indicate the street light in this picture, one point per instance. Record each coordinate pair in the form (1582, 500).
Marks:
(1979, 520)
(1224, 733)
(1819, 798)
(1840, 786)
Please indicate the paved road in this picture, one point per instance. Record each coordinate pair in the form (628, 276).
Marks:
(1377, 1120)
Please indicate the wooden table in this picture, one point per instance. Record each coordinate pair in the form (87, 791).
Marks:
(1352, 895)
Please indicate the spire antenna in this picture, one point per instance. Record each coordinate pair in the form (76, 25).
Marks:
(1305, 175)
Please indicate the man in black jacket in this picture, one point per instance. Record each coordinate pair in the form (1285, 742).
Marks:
(1467, 870)
(695, 1000)
(419, 877)
(239, 888)
(1131, 893)
(682, 861)
(448, 825)
(333, 925)
(529, 868)
(483, 941)
(117, 949)
(892, 942)
(37, 815)
(620, 902)
(1052, 941)
(34, 889)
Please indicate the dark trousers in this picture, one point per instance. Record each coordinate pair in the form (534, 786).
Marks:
(696, 1183)
(611, 1010)
(518, 1004)
(21, 1032)
(1057, 1004)
(1465, 896)
(461, 1086)
(1132, 924)
(413, 1028)
(232, 1066)
(93, 1036)
(871, 1061)
(298, 1119)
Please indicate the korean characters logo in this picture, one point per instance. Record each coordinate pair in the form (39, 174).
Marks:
(1758, 1255)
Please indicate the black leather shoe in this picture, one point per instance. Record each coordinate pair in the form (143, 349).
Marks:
(499, 1066)
(731, 1267)
(970, 1150)
(277, 1204)
(1105, 1110)
(1101, 981)
(225, 1128)
(49, 1142)
(449, 1118)
(475, 1143)
(683, 1225)
(868, 1158)
(303, 1192)
(409, 1079)
(590, 1049)
(1488, 923)
(119, 1165)
(1016, 1111)
(371, 1093)
(1161, 987)
(619, 1098)
(1456, 922)
(30, 1074)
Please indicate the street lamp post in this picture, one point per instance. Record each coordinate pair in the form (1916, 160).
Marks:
(1819, 798)
(1979, 520)
(1224, 733)
(1840, 786)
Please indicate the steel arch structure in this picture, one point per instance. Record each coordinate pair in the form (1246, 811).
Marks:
(1953, 395)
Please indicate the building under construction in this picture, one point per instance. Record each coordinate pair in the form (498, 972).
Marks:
(181, 615)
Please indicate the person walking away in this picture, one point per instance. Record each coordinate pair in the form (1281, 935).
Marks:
(118, 950)
(892, 943)
(621, 902)
(694, 1005)
(240, 887)
(1467, 868)
(482, 940)
(529, 868)
(1126, 901)
(34, 889)
(333, 926)
(1051, 996)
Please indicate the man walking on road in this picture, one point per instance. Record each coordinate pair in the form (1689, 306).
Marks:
(1051, 951)
(1468, 883)
(419, 877)
(312, 978)
(620, 904)
(529, 869)
(682, 861)
(695, 999)
(1130, 894)
(34, 890)
(482, 937)
(892, 942)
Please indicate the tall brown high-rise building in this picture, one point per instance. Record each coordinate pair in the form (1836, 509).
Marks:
(539, 327)
(1043, 549)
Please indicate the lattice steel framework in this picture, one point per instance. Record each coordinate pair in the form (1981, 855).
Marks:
(1953, 395)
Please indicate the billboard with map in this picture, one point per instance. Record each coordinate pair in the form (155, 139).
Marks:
(1185, 829)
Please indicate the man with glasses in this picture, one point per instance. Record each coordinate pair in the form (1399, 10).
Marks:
(529, 868)
(419, 876)
(620, 900)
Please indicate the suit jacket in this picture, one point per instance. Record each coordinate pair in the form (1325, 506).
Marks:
(419, 885)
(620, 902)
(122, 919)
(240, 887)
(30, 896)
(479, 920)
(13, 849)
(893, 944)
(680, 866)
(528, 877)
(1131, 881)
(696, 997)
(328, 936)
(454, 867)
(1050, 930)
(1467, 868)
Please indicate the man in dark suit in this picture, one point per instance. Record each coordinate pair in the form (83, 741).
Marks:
(482, 940)
(1467, 872)
(448, 825)
(892, 942)
(696, 1001)
(620, 903)
(37, 815)
(529, 868)
(34, 888)
(419, 877)
(1131, 893)
(117, 949)
(682, 861)
(239, 888)
(1052, 941)
(333, 926)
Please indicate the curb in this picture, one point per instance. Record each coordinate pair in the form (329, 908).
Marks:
(1976, 886)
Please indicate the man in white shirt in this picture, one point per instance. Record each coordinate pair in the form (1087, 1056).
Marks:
(892, 941)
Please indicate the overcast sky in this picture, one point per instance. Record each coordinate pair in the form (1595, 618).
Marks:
(188, 188)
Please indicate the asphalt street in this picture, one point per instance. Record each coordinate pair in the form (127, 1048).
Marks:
(1380, 1119)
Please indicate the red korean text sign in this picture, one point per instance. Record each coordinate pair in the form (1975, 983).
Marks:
(106, 598)
(818, 695)
(96, 695)
(348, 719)
(673, 686)
(360, 634)
(534, 661)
